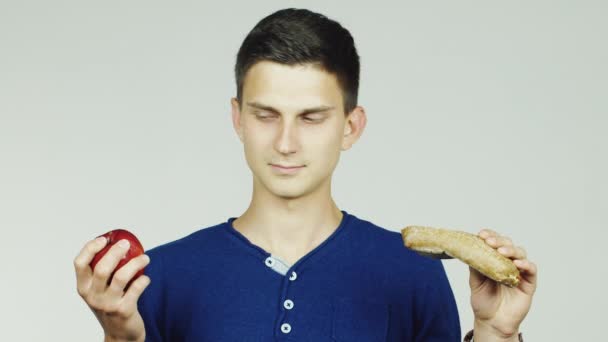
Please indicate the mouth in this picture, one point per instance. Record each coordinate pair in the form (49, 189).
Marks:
(287, 166)
(282, 169)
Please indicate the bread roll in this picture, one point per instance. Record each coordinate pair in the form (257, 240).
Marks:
(467, 247)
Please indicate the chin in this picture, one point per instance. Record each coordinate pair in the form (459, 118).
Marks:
(287, 191)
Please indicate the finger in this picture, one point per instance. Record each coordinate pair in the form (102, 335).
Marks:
(528, 275)
(126, 273)
(513, 252)
(486, 233)
(107, 264)
(499, 241)
(87, 253)
(82, 261)
(129, 301)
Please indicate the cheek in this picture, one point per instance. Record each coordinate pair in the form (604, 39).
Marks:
(255, 139)
(328, 142)
(327, 152)
(258, 135)
(255, 149)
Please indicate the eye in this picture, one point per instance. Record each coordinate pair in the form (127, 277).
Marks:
(264, 117)
(312, 118)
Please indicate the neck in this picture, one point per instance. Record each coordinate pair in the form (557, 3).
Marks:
(289, 227)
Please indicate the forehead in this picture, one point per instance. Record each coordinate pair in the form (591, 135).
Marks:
(291, 87)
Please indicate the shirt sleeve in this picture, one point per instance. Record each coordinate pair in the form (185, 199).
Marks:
(149, 302)
(436, 313)
(469, 337)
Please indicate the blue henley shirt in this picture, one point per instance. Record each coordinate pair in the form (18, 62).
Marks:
(360, 284)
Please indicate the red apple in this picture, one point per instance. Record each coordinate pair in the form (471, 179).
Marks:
(135, 249)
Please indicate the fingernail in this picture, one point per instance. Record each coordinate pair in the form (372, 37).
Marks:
(491, 240)
(123, 243)
(146, 258)
(502, 250)
(101, 240)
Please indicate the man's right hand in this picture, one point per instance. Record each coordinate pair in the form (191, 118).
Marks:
(114, 308)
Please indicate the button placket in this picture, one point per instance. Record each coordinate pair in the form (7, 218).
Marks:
(288, 304)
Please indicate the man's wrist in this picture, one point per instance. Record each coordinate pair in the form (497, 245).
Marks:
(112, 339)
(486, 333)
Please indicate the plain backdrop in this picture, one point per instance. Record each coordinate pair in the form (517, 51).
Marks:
(116, 114)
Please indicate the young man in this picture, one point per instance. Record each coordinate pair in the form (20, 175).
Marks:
(293, 266)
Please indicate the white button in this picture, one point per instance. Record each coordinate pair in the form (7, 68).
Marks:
(285, 328)
(293, 276)
(288, 304)
(269, 262)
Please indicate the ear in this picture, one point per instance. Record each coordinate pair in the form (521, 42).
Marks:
(236, 118)
(353, 127)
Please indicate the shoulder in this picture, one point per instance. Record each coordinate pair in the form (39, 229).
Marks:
(207, 239)
(386, 244)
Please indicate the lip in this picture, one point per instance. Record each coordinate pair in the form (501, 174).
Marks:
(286, 169)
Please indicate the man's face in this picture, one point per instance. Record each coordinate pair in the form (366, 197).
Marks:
(291, 116)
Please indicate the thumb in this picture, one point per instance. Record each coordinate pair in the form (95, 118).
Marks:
(476, 279)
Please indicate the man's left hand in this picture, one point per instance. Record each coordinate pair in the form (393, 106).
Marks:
(498, 308)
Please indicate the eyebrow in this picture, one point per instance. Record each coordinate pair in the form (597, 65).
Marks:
(305, 111)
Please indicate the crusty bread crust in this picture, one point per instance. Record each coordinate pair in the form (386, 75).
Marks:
(467, 247)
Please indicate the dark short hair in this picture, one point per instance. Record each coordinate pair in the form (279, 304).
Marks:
(298, 36)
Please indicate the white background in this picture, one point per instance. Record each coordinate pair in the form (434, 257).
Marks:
(115, 114)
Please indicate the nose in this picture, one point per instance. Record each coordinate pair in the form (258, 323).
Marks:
(287, 140)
